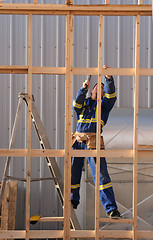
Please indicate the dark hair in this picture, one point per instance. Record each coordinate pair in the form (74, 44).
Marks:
(96, 84)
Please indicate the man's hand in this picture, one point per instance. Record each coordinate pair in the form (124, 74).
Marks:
(107, 76)
(86, 84)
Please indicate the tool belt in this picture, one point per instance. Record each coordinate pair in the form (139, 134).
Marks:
(90, 139)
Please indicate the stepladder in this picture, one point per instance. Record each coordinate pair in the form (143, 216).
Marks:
(51, 161)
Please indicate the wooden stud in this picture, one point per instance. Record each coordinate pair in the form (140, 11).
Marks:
(140, 2)
(98, 128)
(68, 125)
(29, 128)
(135, 133)
(107, 2)
(69, 2)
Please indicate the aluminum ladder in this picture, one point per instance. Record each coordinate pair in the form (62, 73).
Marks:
(51, 162)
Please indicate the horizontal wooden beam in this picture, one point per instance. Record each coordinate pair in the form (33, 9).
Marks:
(14, 69)
(120, 220)
(34, 152)
(12, 234)
(116, 234)
(13, 152)
(109, 71)
(102, 234)
(46, 234)
(117, 153)
(17, 69)
(121, 234)
(49, 70)
(145, 234)
(145, 146)
(145, 154)
(146, 71)
(62, 9)
(48, 152)
(82, 234)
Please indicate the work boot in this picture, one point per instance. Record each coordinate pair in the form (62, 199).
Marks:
(74, 204)
(114, 214)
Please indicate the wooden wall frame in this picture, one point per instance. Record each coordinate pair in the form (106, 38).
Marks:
(71, 10)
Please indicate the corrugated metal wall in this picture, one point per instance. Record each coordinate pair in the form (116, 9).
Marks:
(49, 34)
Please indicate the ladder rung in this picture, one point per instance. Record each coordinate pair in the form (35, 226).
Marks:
(49, 164)
(32, 179)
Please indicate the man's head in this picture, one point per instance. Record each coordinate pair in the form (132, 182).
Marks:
(94, 91)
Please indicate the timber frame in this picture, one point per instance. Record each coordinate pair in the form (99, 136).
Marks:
(70, 10)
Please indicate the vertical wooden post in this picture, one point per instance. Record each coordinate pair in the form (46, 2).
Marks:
(29, 128)
(106, 2)
(140, 2)
(98, 128)
(68, 125)
(135, 133)
(35, 1)
(69, 2)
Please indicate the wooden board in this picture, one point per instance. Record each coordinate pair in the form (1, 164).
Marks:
(8, 210)
(63, 9)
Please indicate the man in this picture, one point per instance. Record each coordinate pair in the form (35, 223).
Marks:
(85, 138)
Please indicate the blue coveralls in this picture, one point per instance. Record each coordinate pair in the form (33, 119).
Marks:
(85, 109)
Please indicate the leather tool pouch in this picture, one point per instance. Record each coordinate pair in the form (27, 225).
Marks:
(91, 142)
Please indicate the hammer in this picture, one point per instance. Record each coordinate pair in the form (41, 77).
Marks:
(89, 78)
